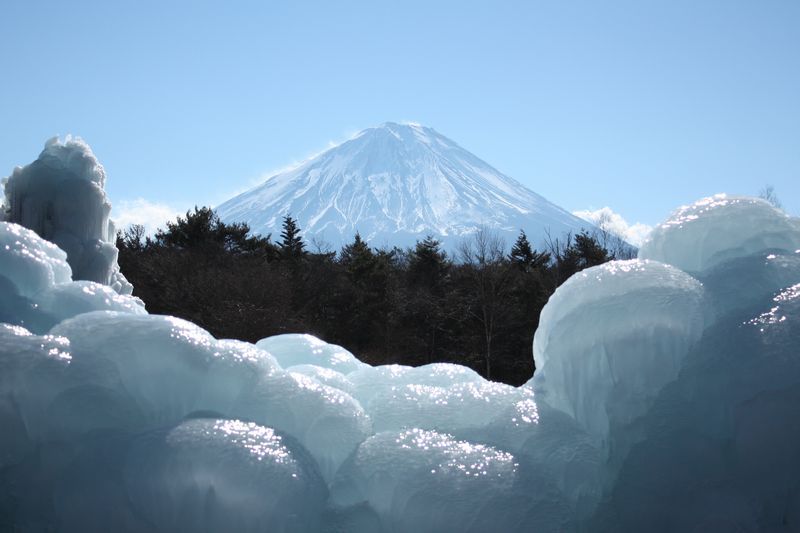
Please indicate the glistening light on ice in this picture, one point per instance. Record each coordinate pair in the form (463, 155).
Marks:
(666, 397)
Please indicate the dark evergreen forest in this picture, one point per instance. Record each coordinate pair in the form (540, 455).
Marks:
(477, 307)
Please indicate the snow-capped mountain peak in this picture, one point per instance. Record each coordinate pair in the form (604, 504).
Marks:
(394, 184)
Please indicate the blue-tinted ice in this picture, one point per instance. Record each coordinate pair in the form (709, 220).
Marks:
(666, 398)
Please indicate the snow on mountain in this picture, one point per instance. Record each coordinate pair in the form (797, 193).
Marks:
(394, 184)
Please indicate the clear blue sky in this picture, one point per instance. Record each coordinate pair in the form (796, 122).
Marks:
(638, 105)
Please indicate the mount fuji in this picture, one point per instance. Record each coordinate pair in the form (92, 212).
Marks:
(395, 184)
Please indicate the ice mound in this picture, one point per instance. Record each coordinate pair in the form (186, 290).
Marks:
(223, 475)
(30, 264)
(201, 475)
(297, 349)
(666, 398)
(369, 381)
(448, 409)
(326, 376)
(721, 442)
(766, 273)
(157, 367)
(418, 480)
(60, 196)
(31, 373)
(612, 336)
(327, 421)
(36, 284)
(719, 228)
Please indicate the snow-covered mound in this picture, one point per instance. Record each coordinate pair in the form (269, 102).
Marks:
(667, 398)
(394, 184)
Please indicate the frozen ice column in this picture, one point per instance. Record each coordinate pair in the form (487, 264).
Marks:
(61, 197)
(612, 336)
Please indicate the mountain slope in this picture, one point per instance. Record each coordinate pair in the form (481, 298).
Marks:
(394, 184)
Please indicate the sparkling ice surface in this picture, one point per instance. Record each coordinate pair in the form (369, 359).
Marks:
(666, 398)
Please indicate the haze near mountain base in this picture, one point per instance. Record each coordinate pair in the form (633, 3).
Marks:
(395, 184)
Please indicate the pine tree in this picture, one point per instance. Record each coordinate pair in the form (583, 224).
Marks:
(202, 229)
(367, 277)
(521, 253)
(428, 264)
(525, 257)
(358, 259)
(426, 310)
(197, 229)
(591, 252)
(291, 245)
(579, 252)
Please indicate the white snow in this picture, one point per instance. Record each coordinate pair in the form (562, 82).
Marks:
(667, 398)
(394, 184)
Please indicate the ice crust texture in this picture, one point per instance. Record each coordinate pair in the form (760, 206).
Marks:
(666, 398)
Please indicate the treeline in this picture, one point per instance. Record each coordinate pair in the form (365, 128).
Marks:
(479, 307)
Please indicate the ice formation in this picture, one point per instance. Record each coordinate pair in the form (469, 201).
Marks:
(607, 372)
(36, 287)
(61, 197)
(666, 398)
(717, 229)
(418, 480)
